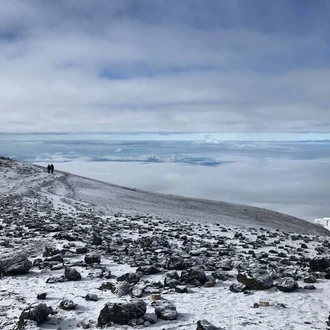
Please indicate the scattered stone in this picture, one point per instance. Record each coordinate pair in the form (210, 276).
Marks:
(67, 305)
(121, 313)
(206, 325)
(92, 258)
(122, 288)
(72, 274)
(92, 297)
(319, 264)
(165, 310)
(256, 281)
(42, 296)
(287, 284)
(237, 287)
(195, 276)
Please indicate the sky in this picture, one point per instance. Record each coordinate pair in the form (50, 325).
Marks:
(126, 66)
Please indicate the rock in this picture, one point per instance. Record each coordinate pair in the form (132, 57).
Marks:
(121, 313)
(171, 282)
(92, 297)
(129, 277)
(206, 325)
(226, 264)
(150, 317)
(17, 264)
(137, 290)
(191, 275)
(220, 275)
(237, 287)
(309, 287)
(56, 257)
(107, 286)
(181, 289)
(54, 279)
(176, 263)
(35, 312)
(92, 258)
(287, 284)
(122, 288)
(310, 279)
(149, 270)
(72, 274)
(319, 264)
(96, 239)
(81, 250)
(210, 281)
(49, 251)
(42, 296)
(67, 305)
(256, 281)
(165, 310)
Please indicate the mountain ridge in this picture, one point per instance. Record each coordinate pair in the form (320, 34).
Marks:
(130, 200)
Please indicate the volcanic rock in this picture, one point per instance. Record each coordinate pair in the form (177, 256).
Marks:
(121, 313)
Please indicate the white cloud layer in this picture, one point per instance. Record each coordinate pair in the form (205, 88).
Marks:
(126, 66)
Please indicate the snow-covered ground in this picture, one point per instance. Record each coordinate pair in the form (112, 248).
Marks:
(49, 217)
(325, 222)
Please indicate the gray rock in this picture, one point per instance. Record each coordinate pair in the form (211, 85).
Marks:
(256, 281)
(165, 310)
(42, 296)
(193, 274)
(92, 297)
(72, 274)
(121, 313)
(92, 258)
(35, 312)
(206, 325)
(287, 284)
(67, 305)
(17, 264)
(237, 287)
(122, 288)
(319, 264)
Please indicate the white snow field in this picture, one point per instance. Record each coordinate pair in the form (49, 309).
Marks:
(56, 220)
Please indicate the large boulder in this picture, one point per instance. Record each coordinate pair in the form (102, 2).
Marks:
(287, 284)
(72, 274)
(165, 310)
(16, 264)
(176, 263)
(193, 276)
(256, 281)
(35, 312)
(121, 313)
(206, 325)
(92, 258)
(319, 264)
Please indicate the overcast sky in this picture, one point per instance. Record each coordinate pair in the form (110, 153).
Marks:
(165, 66)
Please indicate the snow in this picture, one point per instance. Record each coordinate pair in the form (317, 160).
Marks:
(74, 196)
(325, 222)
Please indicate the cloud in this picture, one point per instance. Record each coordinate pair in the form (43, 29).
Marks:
(154, 66)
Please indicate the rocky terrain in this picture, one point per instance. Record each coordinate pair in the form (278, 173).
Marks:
(78, 253)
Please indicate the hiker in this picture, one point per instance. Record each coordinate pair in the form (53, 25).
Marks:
(48, 168)
(52, 168)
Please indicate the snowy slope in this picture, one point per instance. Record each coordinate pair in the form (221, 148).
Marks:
(49, 217)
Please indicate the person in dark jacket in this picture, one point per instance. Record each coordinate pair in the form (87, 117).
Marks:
(52, 168)
(48, 168)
